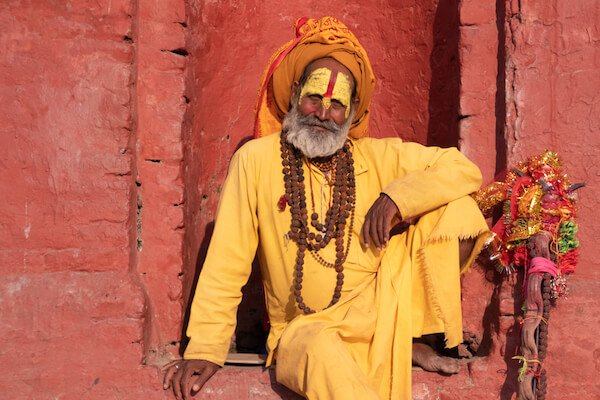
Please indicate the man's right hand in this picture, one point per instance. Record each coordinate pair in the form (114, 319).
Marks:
(187, 377)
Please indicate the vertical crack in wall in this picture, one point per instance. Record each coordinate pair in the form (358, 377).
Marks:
(146, 270)
(136, 198)
(512, 25)
(500, 106)
(190, 269)
(138, 216)
(443, 128)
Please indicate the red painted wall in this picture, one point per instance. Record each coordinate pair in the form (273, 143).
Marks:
(91, 224)
(118, 119)
(553, 101)
(72, 310)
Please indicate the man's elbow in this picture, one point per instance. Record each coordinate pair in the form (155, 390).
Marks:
(471, 175)
(475, 178)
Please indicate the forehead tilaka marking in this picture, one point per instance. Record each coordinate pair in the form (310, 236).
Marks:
(330, 86)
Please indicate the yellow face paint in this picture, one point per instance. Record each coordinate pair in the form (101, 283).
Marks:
(322, 82)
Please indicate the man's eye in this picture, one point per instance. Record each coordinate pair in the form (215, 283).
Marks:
(313, 100)
(336, 105)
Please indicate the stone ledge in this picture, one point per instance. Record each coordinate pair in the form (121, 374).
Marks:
(256, 382)
(247, 382)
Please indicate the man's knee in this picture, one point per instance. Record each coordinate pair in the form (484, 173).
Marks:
(304, 339)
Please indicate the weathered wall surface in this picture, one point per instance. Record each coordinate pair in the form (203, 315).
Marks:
(546, 98)
(479, 64)
(553, 101)
(86, 278)
(483, 295)
(109, 108)
(160, 103)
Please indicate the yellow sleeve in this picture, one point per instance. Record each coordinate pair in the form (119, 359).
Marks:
(432, 177)
(227, 265)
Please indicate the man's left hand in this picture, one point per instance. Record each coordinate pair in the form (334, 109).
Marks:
(378, 221)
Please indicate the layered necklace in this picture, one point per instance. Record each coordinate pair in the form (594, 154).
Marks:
(341, 171)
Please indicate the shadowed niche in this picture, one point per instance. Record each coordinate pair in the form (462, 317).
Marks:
(444, 89)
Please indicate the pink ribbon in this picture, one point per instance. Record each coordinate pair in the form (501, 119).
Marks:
(541, 265)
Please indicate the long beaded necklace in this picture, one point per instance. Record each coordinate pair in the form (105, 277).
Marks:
(342, 207)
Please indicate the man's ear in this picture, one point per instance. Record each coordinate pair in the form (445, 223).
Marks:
(295, 91)
(355, 101)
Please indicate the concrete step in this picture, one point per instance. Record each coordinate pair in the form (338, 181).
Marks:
(246, 383)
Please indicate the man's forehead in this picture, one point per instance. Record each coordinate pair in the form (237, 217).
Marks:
(331, 64)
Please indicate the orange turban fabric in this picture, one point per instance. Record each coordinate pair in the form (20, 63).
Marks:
(315, 39)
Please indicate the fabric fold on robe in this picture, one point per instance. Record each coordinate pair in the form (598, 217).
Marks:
(378, 291)
(361, 347)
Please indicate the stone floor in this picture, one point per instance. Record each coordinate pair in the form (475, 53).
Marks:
(246, 383)
(256, 382)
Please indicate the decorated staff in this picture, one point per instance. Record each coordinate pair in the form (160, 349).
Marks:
(536, 235)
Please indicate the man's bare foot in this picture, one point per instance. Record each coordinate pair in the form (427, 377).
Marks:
(425, 357)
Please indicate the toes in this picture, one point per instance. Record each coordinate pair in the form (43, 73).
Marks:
(448, 365)
(426, 358)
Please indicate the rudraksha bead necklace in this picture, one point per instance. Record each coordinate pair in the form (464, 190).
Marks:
(327, 168)
(342, 207)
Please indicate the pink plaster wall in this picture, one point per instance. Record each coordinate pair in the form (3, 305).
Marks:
(91, 222)
(553, 98)
(480, 101)
(110, 108)
(67, 290)
(159, 34)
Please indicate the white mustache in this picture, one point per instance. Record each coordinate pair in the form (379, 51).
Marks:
(302, 135)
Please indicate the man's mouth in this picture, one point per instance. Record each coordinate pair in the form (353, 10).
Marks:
(319, 128)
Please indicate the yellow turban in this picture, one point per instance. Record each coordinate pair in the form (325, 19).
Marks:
(315, 39)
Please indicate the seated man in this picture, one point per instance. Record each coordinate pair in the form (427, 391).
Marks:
(346, 291)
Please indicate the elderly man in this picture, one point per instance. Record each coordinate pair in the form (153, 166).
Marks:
(357, 238)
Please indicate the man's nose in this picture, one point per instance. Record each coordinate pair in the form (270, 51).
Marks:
(323, 112)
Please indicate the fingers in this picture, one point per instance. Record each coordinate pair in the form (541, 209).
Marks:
(370, 227)
(169, 369)
(378, 222)
(176, 382)
(190, 383)
(185, 382)
(376, 228)
(382, 227)
(170, 364)
(386, 223)
(197, 382)
(366, 229)
(186, 378)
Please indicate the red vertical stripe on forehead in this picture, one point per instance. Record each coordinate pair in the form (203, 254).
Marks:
(332, 80)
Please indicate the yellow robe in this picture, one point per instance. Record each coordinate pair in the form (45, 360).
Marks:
(361, 347)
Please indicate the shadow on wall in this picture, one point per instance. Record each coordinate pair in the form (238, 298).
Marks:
(444, 89)
(500, 106)
(251, 326)
(201, 256)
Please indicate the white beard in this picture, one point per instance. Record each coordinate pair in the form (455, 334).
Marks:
(312, 142)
